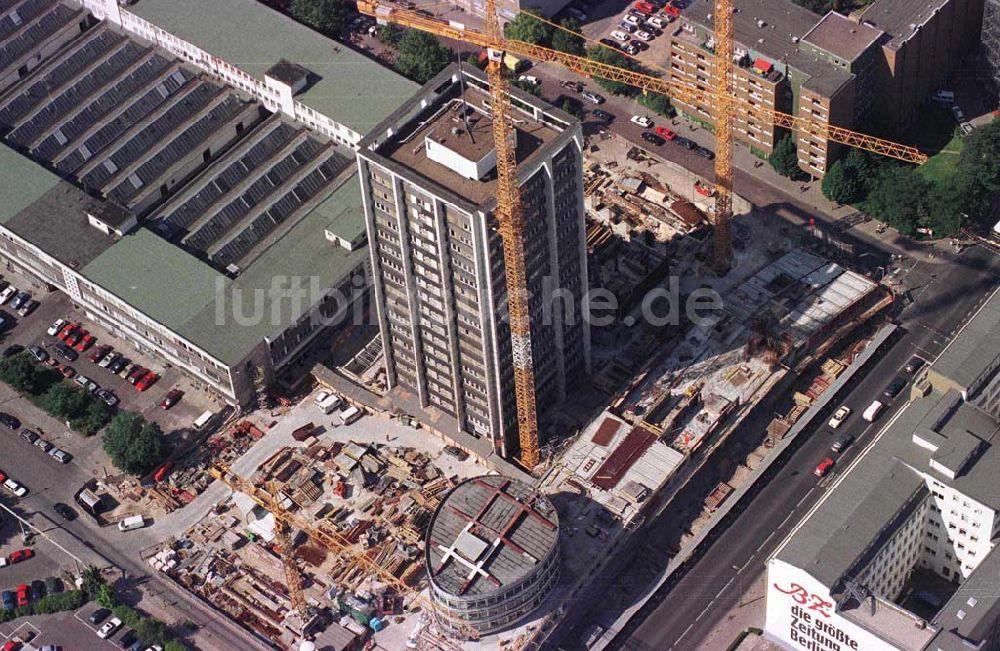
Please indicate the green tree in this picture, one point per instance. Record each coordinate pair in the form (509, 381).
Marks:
(785, 159)
(94, 417)
(390, 34)
(473, 60)
(606, 55)
(897, 198)
(150, 631)
(66, 401)
(327, 16)
(658, 103)
(840, 183)
(21, 372)
(571, 107)
(568, 38)
(977, 175)
(175, 645)
(421, 56)
(526, 27)
(106, 597)
(134, 444)
(527, 86)
(92, 581)
(865, 166)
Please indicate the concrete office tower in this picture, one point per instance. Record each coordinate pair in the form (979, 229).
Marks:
(991, 42)
(428, 176)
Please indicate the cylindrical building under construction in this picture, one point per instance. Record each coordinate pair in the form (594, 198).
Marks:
(492, 552)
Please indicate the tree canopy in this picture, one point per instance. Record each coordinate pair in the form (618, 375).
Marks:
(526, 27)
(606, 55)
(134, 444)
(327, 16)
(841, 183)
(785, 158)
(421, 56)
(568, 39)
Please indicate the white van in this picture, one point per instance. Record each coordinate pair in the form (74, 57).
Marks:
(328, 402)
(944, 96)
(202, 420)
(873, 411)
(350, 414)
(132, 522)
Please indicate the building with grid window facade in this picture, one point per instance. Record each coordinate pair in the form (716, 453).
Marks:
(991, 42)
(428, 176)
(919, 513)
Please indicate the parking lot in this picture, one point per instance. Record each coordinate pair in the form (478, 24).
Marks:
(70, 630)
(32, 330)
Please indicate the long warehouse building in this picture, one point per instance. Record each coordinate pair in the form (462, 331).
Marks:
(205, 211)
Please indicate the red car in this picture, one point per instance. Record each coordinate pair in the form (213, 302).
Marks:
(20, 555)
(672, 11)
(146, 381)
(823, 467)
(86, 341)
(11, 645)
(3, 476)
(172, 398)
(665, 133)
(22, 595)
(645, 7)
(99, 353)
(67, 329)
(68, 372)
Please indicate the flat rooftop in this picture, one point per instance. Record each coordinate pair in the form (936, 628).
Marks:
(438, 120)
(842, 37)
(344, 85)
(498, 524)
(783, 23)
(971, 355)
(896, 17)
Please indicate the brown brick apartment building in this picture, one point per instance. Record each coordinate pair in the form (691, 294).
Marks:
(880, 64)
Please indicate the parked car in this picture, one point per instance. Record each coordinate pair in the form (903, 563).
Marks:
(146, 381)
(109, 398)
(137, 372)
(20, 555)
(20, 299)
(56, 326)
(456, 452)
(645, 7)
(574, 86)
(603, 116)
(66, 352)
(686, 143)
(128, 639)
(944, 96)
(29, 436)
(23, 595)
(14, 487)
(823, 467)
(67, 371)
(632, 20)
(839, 416)
(108, 628)
(6, 321)
(705, 153)
(642, 121)
(665, 133)
(131, 369)
(12, 350)
(43, 445)
(619, 36)
(30, 306)
(643, 35)
(60, 455)
(895, 387)
(530, 79)
(652, 138)
(592, 97)
(86, 383)
(118, 364)
(86, 341)
(657, 22)
(842, 443)
(37, 589)
(99, 353)
(74, 337)
(955, 109)
(7, 294)
(631, 48)
(65, 511)
(9, 603)
(108, 359)
(98, 616)
(38, 353)
(4, 562)
(8, 421)
(67, 329)
(914, 365)
(873, 411)
(626, 27)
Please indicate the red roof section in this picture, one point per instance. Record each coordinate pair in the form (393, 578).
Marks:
(626, 454)
(762, 64)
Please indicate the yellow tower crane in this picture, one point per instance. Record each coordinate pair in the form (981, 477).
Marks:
(508, 209)
(286, 520)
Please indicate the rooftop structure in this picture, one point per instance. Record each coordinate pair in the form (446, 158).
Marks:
(991, 42)
(924, 497)
(900, 19)
(492, 541)
(842, 37)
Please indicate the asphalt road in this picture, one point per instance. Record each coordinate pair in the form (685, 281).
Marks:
(50, 483)
(946, 295)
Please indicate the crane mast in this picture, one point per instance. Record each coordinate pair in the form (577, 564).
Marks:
(511, 225)
(724, 95)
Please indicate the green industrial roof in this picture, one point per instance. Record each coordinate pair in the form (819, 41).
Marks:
(301, 260)
(157, 278)
(345, 211)
(22, 182)
(351, 88)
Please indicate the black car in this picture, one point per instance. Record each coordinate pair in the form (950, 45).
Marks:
(912, 366)
(9, 421)
(895, 387)
(456, 452)
(117, 365)
(609, 43)
(574, 86)
(98, 615)
(603, 116)
(38, 353)
(686, 144)
(37, 589)
(6, 320)
(126, 641)
(705, 153)
(66, 352)
(65, 511)
(20, 299)
(653, 139)
(12, 350)
(29, 436)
